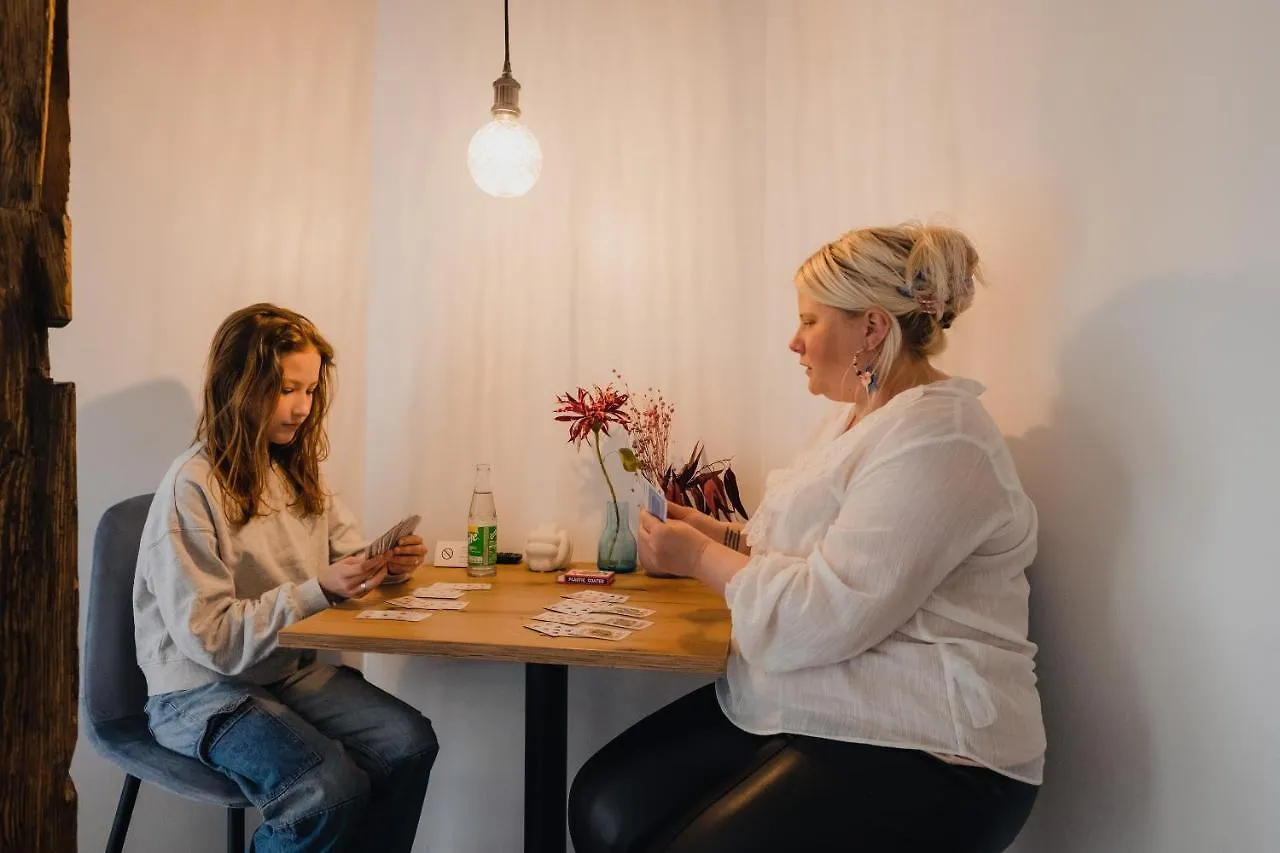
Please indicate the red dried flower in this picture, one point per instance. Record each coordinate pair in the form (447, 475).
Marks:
(592, 411)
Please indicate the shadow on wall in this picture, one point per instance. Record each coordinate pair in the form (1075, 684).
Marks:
(1118, 477)
(124, 444)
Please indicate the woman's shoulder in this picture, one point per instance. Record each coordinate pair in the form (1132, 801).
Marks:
(946, 411)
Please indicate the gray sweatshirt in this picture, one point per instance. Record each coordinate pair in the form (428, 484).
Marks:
(208, 598)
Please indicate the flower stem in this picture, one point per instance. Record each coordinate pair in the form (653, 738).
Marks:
(617, 522)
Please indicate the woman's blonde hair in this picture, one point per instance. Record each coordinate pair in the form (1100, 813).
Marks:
(921, 275)
(241, 388)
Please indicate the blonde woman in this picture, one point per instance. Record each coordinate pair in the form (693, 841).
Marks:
(881, 691)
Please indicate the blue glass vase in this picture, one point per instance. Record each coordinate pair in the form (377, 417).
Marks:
(617, 549)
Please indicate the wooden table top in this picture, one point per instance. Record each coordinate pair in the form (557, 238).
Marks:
(690, 631)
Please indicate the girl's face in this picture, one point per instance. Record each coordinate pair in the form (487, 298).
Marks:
(300, 374)
(826, 342)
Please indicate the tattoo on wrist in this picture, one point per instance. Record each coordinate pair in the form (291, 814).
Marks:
(733, 538)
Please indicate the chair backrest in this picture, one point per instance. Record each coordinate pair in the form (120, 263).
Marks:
(114, 686)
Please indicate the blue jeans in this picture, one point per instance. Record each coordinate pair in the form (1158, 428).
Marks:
(332, 762)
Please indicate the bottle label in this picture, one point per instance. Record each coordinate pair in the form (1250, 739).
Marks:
(482, 544)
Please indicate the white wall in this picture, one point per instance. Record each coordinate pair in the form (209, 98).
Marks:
(220, 156)
(1113, 161)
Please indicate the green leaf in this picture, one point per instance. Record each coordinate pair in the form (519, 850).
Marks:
(629, 461)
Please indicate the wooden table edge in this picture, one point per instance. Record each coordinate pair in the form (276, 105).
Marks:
(600, 658)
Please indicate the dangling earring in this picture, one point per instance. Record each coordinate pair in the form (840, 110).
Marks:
(868, 378)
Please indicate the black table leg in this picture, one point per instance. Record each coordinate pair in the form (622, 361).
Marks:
(546, 722)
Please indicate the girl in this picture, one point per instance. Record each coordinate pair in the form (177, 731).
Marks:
(242, 540)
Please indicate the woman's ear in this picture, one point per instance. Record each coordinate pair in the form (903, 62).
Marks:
(878, 324)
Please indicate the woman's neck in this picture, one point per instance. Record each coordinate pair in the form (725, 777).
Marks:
(903, 375)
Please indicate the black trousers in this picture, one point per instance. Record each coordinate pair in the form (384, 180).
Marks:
(686, 779)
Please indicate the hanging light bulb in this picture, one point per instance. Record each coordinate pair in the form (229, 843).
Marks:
(504, 157)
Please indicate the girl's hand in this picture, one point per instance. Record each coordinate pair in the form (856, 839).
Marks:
(672, 547)
(352, 577)
(407, 555)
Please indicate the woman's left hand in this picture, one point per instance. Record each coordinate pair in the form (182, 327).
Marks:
(671, 547)
(407, 555)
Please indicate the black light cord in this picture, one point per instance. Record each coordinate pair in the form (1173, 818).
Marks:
(506, 36)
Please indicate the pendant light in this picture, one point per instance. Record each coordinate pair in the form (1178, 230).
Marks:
(504, 157)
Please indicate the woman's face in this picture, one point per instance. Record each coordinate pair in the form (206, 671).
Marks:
(299, 376)
(826, 342)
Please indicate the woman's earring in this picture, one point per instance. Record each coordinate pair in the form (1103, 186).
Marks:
(866, 377)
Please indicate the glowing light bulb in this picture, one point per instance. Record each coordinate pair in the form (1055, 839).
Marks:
(504, 157)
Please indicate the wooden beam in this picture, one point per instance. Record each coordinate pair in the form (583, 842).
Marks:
(39, 599)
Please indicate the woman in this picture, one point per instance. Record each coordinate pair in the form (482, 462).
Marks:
(242, 539)
(880, 693)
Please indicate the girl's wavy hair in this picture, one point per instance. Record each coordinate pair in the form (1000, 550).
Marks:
(241, 388)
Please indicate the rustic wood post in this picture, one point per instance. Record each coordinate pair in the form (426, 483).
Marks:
(39, 600)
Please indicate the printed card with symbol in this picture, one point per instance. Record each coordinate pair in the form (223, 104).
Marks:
(392, 615)
(572, 608)
(616, 621)
(594, 596)
(595, 632)
(437, 591)
(392, 537)
(562, 618)
(415, 603)
(654, 501)
(622, 610)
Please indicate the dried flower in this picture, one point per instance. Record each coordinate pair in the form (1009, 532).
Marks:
(591, 412)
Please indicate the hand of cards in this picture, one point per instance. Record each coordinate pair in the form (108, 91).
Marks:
(392, 537)
(653, 500)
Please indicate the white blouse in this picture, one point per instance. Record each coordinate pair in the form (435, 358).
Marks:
(885, 601)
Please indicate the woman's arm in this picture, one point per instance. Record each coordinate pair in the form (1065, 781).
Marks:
(903, 526)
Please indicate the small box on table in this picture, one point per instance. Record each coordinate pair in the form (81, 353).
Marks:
(590, 576)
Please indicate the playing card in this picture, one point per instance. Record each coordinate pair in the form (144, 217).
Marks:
(616, 621)
(596, 597)
(572, 608)
(465, 587)
(396, 615)
(599, 632)
(388, 540)
(622, 610)
(595, 632)
(415, 603)
(552, 629)
(653, 500)
(437, 591)
(562, 618)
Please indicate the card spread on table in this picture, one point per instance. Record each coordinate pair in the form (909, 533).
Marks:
(437, 591)
(616, 621)
(595, 596)
(562, 618)
(654, 501)
(392, 537)
(396, 615)
(595, 632)
(415, 603)
(622, 610)
(573, 608)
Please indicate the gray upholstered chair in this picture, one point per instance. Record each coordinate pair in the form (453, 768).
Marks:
(115, 691)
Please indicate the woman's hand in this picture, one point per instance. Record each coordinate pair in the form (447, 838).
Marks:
(700, 521)
(352, 577)
(407, 555)
(673, 547)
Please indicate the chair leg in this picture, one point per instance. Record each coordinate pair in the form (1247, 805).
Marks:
(124, 812)
(235, 830)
